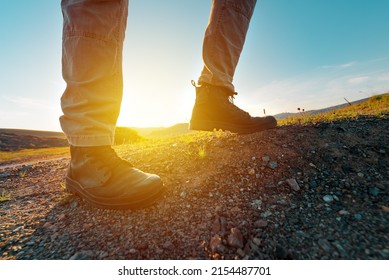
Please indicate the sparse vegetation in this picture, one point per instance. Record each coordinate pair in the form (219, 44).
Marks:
(33, 154)
(202, 152)
(377, 105)
(22, 173)
(4, 196)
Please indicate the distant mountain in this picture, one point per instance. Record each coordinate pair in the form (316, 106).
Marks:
(157, 132)
(37, 133)
(17, 139)
(146, 131)
(319, 111)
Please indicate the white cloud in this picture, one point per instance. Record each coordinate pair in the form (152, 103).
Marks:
(358, 80)
(339, 66)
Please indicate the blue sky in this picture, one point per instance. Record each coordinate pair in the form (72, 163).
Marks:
(298, 53)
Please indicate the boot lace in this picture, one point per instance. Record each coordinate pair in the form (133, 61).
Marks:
(231, 97)
(107, 159)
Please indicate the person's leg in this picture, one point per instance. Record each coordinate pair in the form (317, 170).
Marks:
(224, 39)
(223, 43)
(93, 35)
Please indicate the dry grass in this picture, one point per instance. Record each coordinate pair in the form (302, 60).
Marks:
(33, 154)
(377, 105)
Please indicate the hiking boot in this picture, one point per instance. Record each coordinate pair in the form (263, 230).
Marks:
(103, 179)
(214, 109)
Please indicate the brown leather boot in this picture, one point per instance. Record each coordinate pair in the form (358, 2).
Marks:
(103, 179)
(214, 109)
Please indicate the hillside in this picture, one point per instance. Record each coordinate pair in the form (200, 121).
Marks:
(18, 139)
(311, 189)
(315, 191)
(288, 115)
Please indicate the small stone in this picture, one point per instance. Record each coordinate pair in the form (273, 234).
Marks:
(360, 174)
(282, 201)
(374, 191)
(82, 255)
(253, 158)
(260, 223)
(216, 225)
(103, 255)
(87, 226)
(216, 244)
(266, 214)
(313, 184)
(328, 198)
(61, 217)
(4, 174)
(340, 249)
(256, 204)
(240, 252)
(358, 216)
(266, 159)
(47, 225)
(257, 241)
(132, 251)
(272, 164)
(235, 239)
(74, 204)
(21, 228)
(325, 245)
(343, 212)
(293, 184)
(168, 244)
(183, 194)
(251, 171)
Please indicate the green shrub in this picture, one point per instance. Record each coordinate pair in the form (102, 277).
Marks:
(126, 135)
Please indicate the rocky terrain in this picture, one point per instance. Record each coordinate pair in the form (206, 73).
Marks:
(318, 191)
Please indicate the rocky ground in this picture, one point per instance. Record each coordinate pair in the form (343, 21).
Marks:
(296, 192)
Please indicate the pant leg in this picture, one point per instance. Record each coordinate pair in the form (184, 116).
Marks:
(93, 35)
(224, 39)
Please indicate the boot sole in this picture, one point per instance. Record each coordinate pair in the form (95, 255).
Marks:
(235, 128)
(115, 203)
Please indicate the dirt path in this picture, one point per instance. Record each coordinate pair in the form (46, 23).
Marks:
(295, 192)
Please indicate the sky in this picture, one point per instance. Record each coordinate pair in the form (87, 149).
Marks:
(298, 54)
